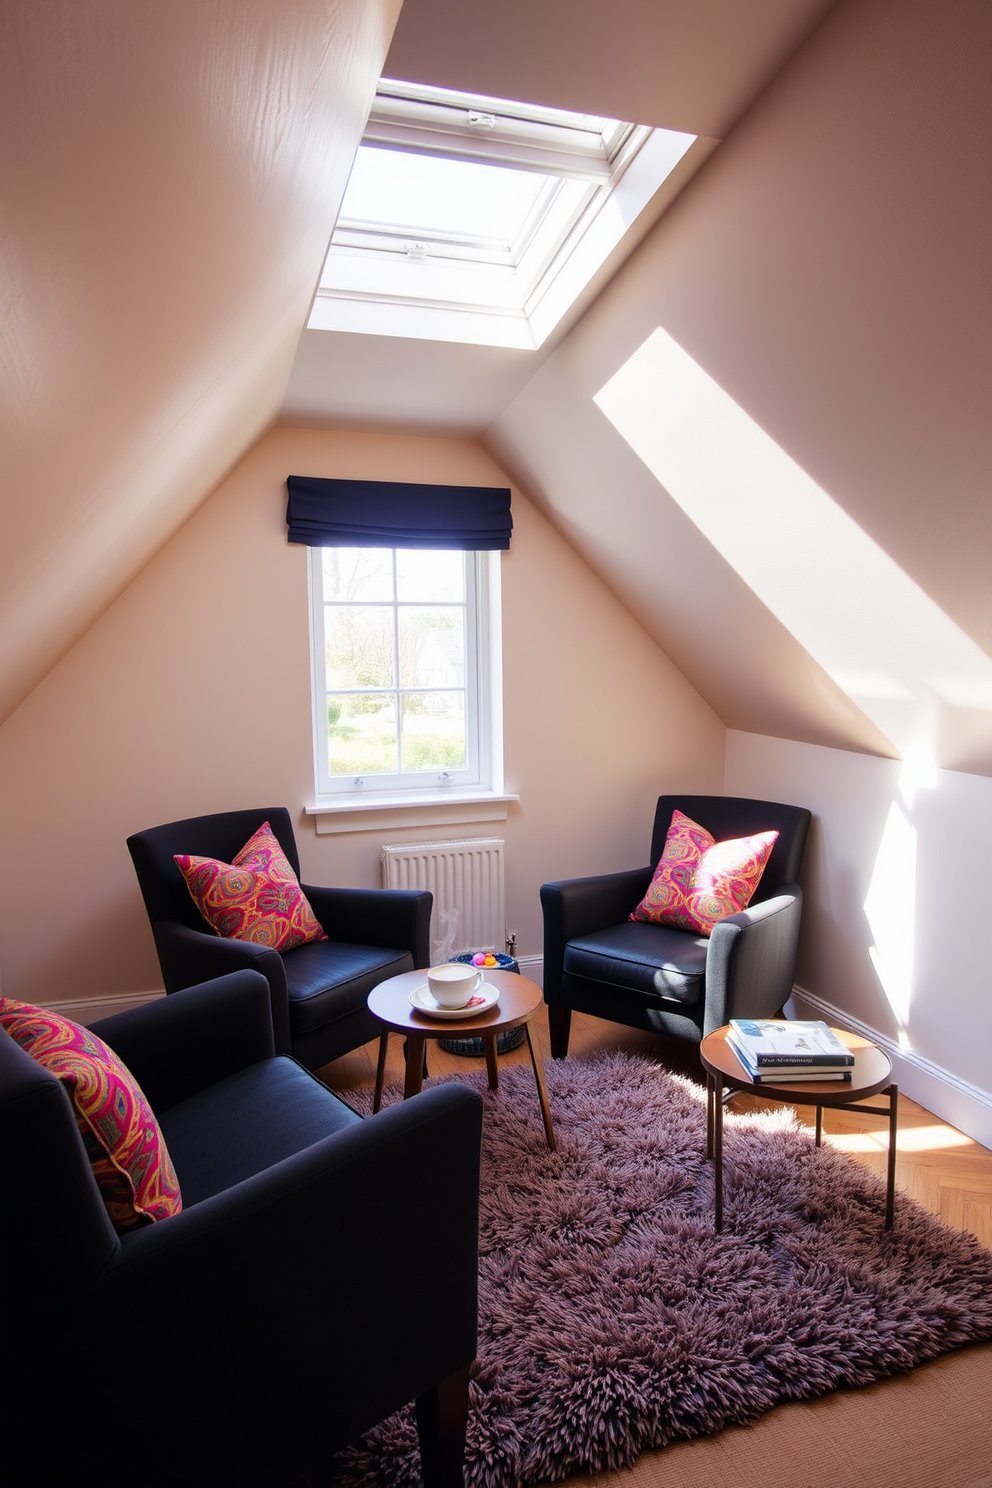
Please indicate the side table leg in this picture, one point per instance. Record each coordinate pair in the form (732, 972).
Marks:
(416, 1043)
(819, 1126)
(890, 1193)
(492, 1068)
(718, 1153)
(542, 1090)
(709, 1115)
(380, 1070)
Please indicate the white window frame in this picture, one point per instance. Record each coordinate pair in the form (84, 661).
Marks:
(477, 792)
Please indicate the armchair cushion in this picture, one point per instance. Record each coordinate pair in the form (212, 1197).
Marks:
(653, 960)
(256, 1118)
(127, 1151)
(331, 979)
(257, 897)
(699, 881)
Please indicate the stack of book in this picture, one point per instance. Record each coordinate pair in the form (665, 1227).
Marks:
(776, 1052)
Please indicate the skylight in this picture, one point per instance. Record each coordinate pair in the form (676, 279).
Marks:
(458, 204)
(476, 219)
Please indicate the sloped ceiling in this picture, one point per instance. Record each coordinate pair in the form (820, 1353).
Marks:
(827, 273)
(170, 175)
(691, 65)
(688, 65)
(169, 179)
(807, 532)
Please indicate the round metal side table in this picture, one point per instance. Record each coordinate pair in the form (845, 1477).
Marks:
(870, 1075)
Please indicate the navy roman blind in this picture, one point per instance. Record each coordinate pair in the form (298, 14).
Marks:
(396, 514)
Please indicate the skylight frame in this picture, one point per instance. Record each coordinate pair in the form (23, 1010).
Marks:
(388, 278)
(526, 136)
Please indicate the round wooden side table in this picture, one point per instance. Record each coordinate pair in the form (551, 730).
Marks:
(519, 1000)
(871, 1075)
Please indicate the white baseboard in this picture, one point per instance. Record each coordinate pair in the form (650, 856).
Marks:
(962, 1105)
(90, 1009)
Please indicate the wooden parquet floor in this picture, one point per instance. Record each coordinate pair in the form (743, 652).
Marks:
(945, 1171)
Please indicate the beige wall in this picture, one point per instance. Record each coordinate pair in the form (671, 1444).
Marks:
(895, 878)
(828, 268)
(191, 694)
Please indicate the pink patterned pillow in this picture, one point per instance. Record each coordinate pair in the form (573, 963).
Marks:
(699, 881)
(123, 1140)
(257, 897)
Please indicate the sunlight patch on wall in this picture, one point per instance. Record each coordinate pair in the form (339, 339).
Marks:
(885, 643)
(916, 775)
(890, 908)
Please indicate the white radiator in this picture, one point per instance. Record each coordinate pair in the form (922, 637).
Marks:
(466, 879)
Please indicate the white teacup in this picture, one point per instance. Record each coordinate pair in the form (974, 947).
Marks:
(452, 985)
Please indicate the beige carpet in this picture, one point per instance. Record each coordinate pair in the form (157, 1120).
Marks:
(931, 1428)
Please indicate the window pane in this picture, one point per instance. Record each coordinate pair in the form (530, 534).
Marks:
(359, 646)
(384, 724)
(430, 576)
(358, 573)
(433, 731)
(432, 646)
(361, 735)
(425, 194)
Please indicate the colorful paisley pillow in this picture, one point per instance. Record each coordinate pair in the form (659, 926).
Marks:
(699, 881)
(257, 897)
(123, 1140)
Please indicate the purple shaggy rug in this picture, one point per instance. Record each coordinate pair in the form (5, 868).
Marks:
(612, 1318)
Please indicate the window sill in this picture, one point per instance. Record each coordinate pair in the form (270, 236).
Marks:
(374, 813)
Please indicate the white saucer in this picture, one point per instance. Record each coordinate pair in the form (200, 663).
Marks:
(480, 1002)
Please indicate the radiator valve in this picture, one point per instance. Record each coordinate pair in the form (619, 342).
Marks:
(511, 943)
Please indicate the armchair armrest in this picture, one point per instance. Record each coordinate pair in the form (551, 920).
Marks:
(398, 918)
(188, 957)
(578, 906)
(328, 1235)
(752, 958)
(183, 1043)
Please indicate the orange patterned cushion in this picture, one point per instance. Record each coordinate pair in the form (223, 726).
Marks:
(122, 1138)
(699, 881)
(257, 897)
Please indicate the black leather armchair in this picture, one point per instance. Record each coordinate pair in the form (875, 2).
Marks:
(666, 980)
(318, 990)
(291, 1305)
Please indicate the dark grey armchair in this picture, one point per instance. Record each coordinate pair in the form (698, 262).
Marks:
(318, 990)
(598, 961)
(292, 1304)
